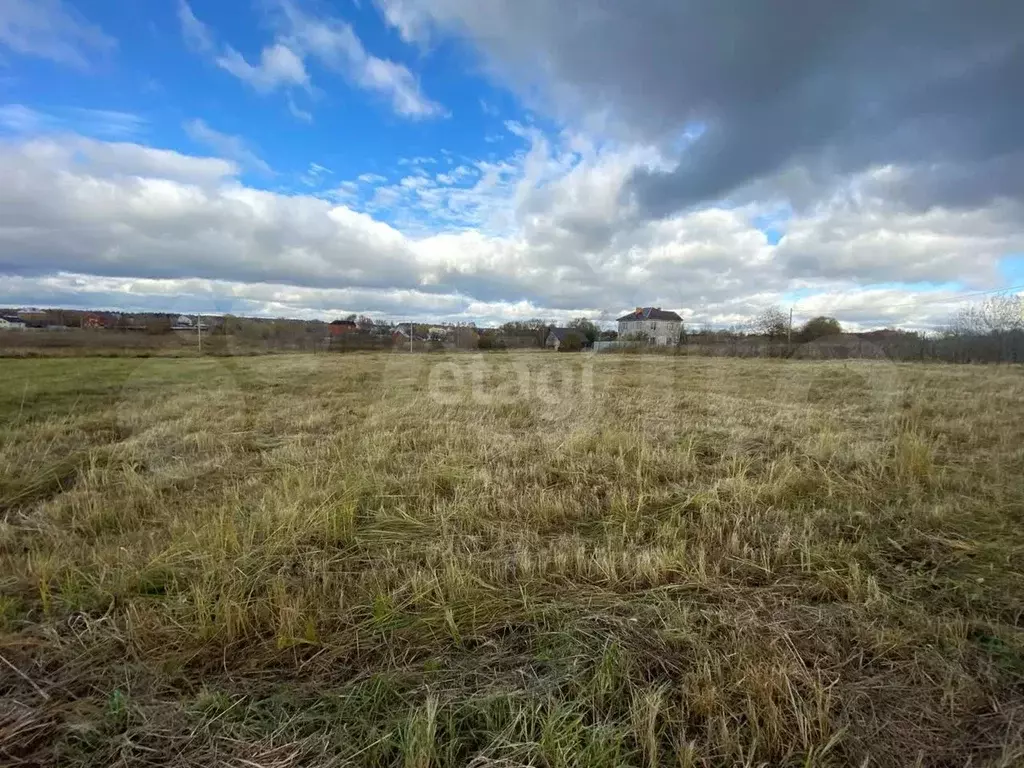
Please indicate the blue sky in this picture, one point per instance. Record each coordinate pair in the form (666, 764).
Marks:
(155, 75)
(451, 161)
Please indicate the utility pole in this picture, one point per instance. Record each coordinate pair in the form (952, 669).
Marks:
(789, 334)
(410, 338)
(199, 331)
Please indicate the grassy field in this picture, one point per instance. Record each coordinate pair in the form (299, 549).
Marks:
(510, 559)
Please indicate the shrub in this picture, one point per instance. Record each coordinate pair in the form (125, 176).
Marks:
(571, 343)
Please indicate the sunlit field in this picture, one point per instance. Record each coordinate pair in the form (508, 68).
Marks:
(510, 559)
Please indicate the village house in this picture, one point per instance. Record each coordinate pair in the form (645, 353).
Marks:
(93, 321)
(341, 327)
(11, 323)
(186, 323)
(557, 337)
(403, 332)
(652, 324)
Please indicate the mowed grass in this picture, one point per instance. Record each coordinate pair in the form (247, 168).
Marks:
(510, 559)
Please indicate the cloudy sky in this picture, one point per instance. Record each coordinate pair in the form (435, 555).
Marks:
(506, 159)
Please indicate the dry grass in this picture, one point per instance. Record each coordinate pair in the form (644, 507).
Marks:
(503, 560)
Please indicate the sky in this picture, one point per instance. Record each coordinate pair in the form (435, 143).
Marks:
(495, 160)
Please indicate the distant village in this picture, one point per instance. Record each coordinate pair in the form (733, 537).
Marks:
(647, 326)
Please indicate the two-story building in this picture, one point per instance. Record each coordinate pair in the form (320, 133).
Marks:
(653, 324)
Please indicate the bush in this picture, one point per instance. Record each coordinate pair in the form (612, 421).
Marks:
(571, 343)
(819, 328)
(489, 341)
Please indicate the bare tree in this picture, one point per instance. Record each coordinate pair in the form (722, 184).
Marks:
(771, 322)
(996, 315)
(1001, 314)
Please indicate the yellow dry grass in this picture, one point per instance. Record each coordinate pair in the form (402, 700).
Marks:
(510, 559)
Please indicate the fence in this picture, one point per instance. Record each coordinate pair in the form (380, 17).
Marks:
(1005, 347)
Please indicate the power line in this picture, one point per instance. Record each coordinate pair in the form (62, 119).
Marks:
(961, 296)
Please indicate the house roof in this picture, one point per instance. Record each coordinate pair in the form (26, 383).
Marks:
(343, 322)
(562, 333)
(12, 319)
(403, 331)
(650, 313)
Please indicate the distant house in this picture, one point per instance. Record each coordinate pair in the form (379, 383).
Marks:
(94, 321)
(186, 323)
(403, 332)
(341, 327)
(656, 325)
(11, 323)
(557, 336)
(32, 317)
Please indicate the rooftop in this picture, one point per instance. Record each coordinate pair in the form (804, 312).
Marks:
(650, 313)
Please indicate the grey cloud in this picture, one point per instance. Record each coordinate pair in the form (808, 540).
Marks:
(770, 84)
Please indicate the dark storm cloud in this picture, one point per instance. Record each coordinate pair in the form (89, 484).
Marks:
(770, 83)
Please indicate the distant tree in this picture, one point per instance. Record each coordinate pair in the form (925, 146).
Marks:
(1001, 314)
(464, 336)
(608, 335)
(158, 325)
(996, 315)
(771, 322)
(364, 322)
(820, 327)
(587, 327)
(490, 339)
(535, 328)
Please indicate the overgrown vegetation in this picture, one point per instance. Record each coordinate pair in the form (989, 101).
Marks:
(510, 559)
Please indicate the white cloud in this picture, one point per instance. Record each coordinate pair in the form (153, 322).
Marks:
(346, 192)
(337, 46)
(543, 232)
(227, 146)
(371, 178)
(455, 175)
(420, 160)
(316, 174)
(108, 123)
(299, 113)
(329, 40)
(95, 122)
(22, 119)
(279, 66)
(93, 161)
(197, 35)
(406, 17)
(49, 29)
